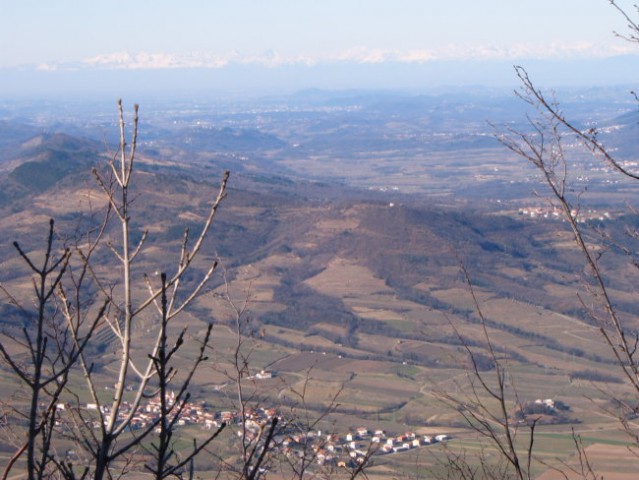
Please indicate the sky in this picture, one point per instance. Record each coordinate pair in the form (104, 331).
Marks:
(75, 35)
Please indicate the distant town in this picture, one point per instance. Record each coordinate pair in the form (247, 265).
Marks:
(554, 213)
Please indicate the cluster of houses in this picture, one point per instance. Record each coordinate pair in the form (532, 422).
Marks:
(545, 411)
(292, 439)
(556, 214)
(354, 447)
(191, 414)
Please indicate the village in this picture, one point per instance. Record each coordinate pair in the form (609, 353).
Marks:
(292, 438)
(554, 213)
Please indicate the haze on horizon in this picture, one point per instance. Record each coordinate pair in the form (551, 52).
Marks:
(301, 43)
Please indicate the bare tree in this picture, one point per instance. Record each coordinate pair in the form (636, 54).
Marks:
(544, 149)
(78, 302)
(67, 316)
(543, 146)
(48, 348)
(165, 461)
(489, 407)
(124, 308)
(262, 438)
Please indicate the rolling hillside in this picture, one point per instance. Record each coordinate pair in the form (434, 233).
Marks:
(358, 293)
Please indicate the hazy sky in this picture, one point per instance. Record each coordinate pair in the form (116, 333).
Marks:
(162, 33)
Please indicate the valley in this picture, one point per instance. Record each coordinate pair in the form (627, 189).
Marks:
(350, 224)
